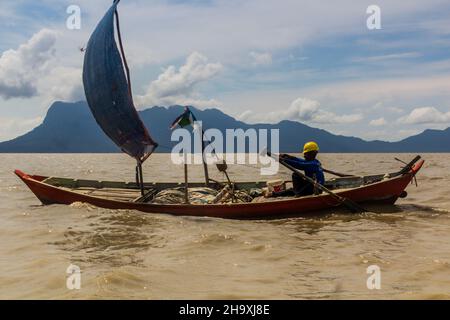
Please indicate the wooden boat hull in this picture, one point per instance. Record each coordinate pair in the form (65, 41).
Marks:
(383, 192)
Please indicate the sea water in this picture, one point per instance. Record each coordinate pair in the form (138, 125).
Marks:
(128, 254)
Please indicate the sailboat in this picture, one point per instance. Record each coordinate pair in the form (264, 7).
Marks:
(107, 84)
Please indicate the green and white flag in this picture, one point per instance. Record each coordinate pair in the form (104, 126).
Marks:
(184, 120)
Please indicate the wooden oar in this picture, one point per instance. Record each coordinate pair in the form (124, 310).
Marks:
(337, 174)
(351, 205)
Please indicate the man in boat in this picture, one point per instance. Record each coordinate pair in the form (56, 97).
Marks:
(312, 168)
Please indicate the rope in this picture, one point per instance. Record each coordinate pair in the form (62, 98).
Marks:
(123, 55)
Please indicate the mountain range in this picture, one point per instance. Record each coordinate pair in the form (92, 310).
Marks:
(71, 128)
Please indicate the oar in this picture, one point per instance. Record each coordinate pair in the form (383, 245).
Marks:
(351, 205)
(337, 174)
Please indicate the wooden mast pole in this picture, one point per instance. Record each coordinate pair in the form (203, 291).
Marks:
(140, 177)
(186, 182)
(205, 165)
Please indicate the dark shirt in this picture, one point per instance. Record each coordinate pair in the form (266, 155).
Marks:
(313, 169)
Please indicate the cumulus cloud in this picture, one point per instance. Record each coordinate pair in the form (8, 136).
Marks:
(378, 122)
(426, 115)
(389, 90)
(62, 83)
(260, 58)
(21, 69)
(13, 127)
(395, 109)
(178, 86)
(380, 105)
(303, 110)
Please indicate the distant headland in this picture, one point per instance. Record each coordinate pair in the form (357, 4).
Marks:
(71, 128)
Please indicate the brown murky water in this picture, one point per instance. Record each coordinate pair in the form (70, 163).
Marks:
(127, 254)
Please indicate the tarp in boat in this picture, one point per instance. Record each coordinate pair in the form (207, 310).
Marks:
(108, 91)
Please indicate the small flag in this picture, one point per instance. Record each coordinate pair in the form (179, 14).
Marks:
(186, 119)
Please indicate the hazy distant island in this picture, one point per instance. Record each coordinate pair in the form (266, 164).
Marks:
(71, 128)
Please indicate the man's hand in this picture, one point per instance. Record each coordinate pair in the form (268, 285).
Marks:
(284, 156)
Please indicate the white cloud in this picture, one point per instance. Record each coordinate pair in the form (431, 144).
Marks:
(62, 83)
(178, 86)
(326, 117)
(426, 115)
(395, 109)
(245, 116)
(35, 70)
(388, 90)
(393, 56)
(261, 58)
(378, 122)
(380, 106)
(21, 69)
(173, 30)
(302, 110)
(13, 127)
(230, 29)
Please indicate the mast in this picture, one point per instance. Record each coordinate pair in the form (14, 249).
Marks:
(205, 165)
(186, 182)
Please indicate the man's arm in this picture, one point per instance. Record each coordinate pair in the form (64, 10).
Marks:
(301, 164)
(285, 156)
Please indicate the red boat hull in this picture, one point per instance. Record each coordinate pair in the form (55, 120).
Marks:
(383, 192)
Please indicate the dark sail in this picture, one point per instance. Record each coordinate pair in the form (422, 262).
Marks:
(108, 91)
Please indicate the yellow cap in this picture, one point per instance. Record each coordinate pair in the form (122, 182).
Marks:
(310, 146)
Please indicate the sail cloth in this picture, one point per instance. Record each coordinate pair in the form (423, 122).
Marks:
(108, 92)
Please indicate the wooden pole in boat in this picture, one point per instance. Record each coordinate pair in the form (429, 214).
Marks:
(137, 176)
(205, 165)
(186, 183)
(140, 176)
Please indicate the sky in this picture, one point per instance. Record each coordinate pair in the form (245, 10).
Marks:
(315, 62)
